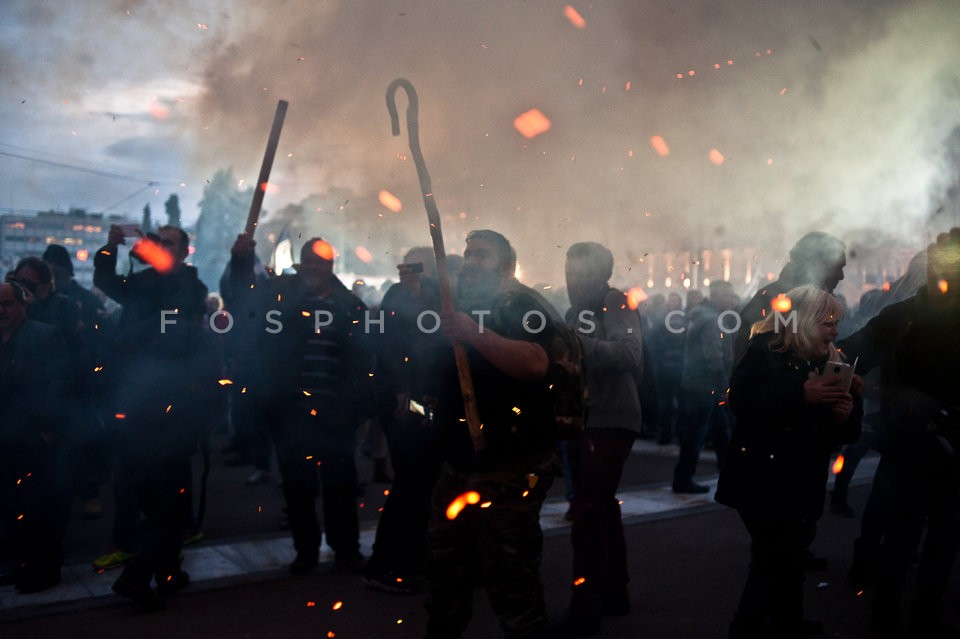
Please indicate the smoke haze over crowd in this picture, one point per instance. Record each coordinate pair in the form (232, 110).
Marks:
(778, 117)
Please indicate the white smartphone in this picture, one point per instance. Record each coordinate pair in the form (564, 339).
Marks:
(842, 370)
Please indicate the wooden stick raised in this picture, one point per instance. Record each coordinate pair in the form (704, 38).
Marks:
(436, 234)
(254, 215)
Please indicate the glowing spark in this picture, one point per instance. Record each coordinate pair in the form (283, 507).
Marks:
(83, 255)
(943, 286)
(120, 416)
(458, 504)
(266, 187)
(515, 410)
(159, 111)
(531, 123)
(716, 66)
(153, 254)
(838, 465)
(390, 201)
(628, 85)
(574, 17)
(331, 634)
(323, 249)
(363, 254)
(660, 145)
(716, 157)
(169, 408)
(202, 27)
(635, 297)
(781, 303)
(579, 581)
(338, 605)
(225, 382)
(679, 76)
(691, 73)
(486, 504)
(311, 604)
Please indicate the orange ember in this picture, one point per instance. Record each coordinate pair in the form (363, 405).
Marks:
(531, 123)
(363, 254)
(660, 146)
(716, 157)
(781, 303)
(153, 254)
(574, 17)
(635, 297)
(838, 465)
(83, 255)
(458, 504)
(266, 187)
(579, 581)
(390, 201)
(943, 286)
(338, 605)
(323, 249)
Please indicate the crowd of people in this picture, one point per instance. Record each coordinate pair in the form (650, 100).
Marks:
(462, 373)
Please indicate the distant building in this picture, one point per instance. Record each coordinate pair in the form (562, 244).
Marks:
(24, 234)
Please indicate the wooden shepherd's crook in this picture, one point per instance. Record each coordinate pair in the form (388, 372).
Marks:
(254, 215)
(433, 216)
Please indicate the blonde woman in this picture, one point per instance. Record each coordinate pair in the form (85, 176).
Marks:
(788, 420)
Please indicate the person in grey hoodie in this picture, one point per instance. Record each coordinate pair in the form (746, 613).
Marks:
(609, 332)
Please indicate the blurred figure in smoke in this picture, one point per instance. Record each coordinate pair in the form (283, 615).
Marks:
(916, 343)
(817, 258)
(89, 457)
(788, 420)
(509, 364)
(666, 348)
(407, 388)
(610, 335)
(163, 372)
(703, 384)
(316, 388)
(34, 383)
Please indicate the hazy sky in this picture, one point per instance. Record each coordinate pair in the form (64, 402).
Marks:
(829, 115)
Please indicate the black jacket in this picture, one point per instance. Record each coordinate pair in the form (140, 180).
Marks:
(780, 447)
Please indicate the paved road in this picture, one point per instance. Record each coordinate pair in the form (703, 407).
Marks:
(688, 561)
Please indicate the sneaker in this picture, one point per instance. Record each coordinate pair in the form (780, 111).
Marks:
(173, 584)
(691, 488)
(143, 596)
(391, 582)
(303, 564)
(354, 562)
(30, 583)
(91, 509)
(112, 560)
(258, 477)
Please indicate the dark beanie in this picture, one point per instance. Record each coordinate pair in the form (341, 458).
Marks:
(58, 255)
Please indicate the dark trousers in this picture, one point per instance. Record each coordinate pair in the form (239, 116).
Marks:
(668, 392)
(312, 450)
(251, 433)
(32, 504)
(400, 545)
(502, 542)
(599, 548)
(126, 514)
(922, 491)
(157, 484)
(696, 408)
(774, 587)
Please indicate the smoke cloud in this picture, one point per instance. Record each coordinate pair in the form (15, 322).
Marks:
(831, 117)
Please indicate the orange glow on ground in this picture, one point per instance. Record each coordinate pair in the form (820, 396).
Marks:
(660, 146)
(458, 504)
(574, 17)
(531, 123)
(390, 201)
(323, 249)
(838, 465)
